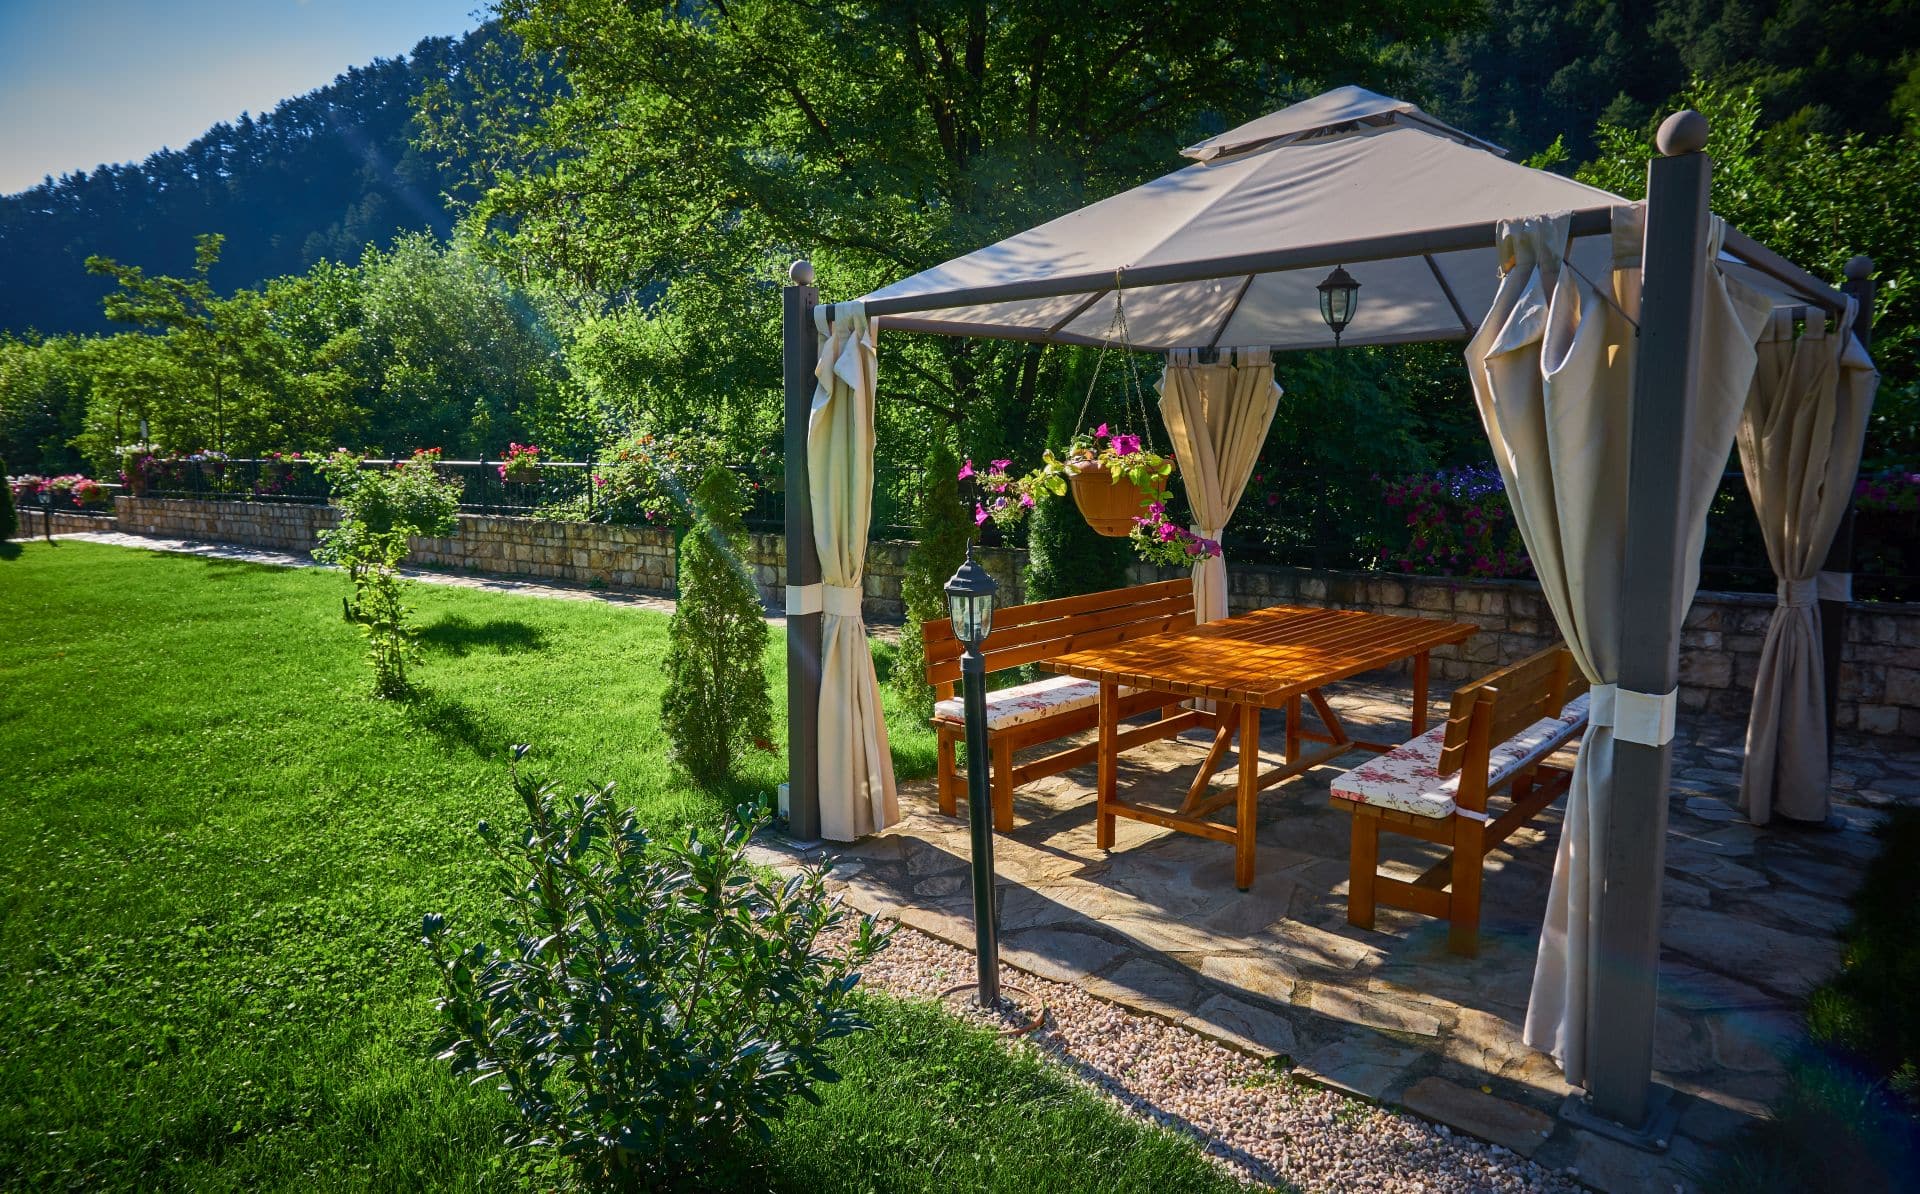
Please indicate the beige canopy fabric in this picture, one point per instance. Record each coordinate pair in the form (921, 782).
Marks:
(1217, 415)
(1552, 370)
(1800, 441)
(856, 769)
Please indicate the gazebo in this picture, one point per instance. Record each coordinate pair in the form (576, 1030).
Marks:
(1616, 352)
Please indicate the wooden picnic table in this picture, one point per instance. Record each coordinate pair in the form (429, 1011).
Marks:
(1274, 658)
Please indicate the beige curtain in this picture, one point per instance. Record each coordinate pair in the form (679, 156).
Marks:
(1552, 369)
(1800, 441)
(856, 770)
(1217, 417)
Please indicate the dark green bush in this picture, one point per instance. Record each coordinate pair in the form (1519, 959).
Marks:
(717, 701)
(941, 544)
(643, 1004)
(9, 521)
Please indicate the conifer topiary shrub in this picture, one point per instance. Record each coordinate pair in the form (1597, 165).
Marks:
(717, 702)
(9, 520)
(942, 536)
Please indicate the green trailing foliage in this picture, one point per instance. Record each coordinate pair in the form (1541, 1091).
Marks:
(379, 510)
(717, 702)
(941, 545)
(644, 1003)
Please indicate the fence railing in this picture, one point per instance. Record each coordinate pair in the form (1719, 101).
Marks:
(1301, 518)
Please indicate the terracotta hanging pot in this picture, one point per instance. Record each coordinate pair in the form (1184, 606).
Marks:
(1110, 506)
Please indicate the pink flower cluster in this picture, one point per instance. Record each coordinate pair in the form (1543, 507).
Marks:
(522, 462)
(1009, 500)
(1160, 540)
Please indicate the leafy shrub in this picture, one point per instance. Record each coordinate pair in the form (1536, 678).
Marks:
(939, 548)
(717, 701)
(1457, 523)
(642, 1004)
(650, 479)
(379, 509)
(9, 519)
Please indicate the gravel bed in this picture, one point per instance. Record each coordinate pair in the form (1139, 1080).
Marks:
(1246, 1115)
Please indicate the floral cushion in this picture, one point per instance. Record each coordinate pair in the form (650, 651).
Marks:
(1023, 703)
(1407, 778)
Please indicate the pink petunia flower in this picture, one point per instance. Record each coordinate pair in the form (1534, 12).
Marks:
(979, 514)
(966, 470)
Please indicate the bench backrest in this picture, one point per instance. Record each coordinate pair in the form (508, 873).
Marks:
(1024, 634)
(1494, 708)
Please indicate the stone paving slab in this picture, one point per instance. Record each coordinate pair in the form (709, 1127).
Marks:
(1389, 1015)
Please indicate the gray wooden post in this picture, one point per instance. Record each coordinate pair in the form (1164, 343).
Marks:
(1833, 614)
(1665, 390)
(803, 561)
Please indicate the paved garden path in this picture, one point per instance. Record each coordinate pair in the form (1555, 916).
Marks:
(288, 559)
(1750, 926)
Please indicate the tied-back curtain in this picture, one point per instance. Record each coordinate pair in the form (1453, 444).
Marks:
(856, 770)
(1800, 440)
(1217, 416)
(1552, 373)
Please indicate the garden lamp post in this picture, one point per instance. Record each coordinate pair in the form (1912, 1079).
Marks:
(1339, 298)
(970, 603)
(45, 498)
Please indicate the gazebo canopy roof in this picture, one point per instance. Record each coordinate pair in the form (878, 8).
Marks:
(1227, 252)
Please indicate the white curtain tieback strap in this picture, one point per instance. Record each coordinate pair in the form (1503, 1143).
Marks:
(839, 600)
(1835, 586)
(1795, 593)
(1212, 533)
(1643, 717)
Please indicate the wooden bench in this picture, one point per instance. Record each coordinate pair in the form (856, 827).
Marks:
(1054, 707)
(1435, 787)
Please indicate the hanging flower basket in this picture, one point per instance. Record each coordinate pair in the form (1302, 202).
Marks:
(1110, 506)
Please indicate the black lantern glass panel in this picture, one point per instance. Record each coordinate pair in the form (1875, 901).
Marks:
(970, 602)
(1339, 298)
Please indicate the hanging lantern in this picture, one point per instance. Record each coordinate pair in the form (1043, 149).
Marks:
(1339, 296)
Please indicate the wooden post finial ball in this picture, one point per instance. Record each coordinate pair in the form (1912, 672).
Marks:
(1683, 132)
(801, 272)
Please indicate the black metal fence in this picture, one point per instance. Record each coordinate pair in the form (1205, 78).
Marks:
(1301, 518)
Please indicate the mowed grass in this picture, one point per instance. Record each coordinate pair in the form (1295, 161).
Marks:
(218, 849)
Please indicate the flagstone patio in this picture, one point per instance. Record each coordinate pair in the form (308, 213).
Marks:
(1157, 925)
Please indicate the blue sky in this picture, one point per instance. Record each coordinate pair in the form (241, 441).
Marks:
(84, 82)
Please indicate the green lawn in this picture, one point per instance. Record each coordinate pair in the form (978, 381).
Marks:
(217, 852)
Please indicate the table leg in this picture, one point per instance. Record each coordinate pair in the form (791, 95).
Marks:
(1216, 754)
(1109, 781)
(1245, 813)
(1422, 667)
(1293, 728)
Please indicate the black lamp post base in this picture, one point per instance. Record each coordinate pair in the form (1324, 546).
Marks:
(1018, 1012)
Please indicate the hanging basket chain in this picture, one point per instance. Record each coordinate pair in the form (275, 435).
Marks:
(1134, 404)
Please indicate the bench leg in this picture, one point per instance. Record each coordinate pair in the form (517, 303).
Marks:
(1463, 903)
(1363, 864)
(1246, 813)
(949, 771)
(1107, 788)
(1002, 786)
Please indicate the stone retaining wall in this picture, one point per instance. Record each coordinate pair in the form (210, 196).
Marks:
(1720, 646)
(65, 522)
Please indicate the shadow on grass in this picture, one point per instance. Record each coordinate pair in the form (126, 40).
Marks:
(9, 550)
(457, 634)
(454, 722)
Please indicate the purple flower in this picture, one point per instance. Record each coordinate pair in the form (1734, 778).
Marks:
(979, 514)
(1001, 466)
(1126, 445)
(966, 470)
(1026, 501)
(1100, 432)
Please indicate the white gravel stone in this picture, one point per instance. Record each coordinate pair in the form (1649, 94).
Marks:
(1253, 1120)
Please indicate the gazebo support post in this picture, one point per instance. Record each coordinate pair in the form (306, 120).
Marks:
(1620, 1018)
(803, 561)
(1833, 613)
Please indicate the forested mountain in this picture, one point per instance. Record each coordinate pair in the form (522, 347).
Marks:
(320, 177)
(1535, 70)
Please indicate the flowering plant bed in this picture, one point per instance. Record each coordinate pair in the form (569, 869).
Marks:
(1458, 524)
(522, 463)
